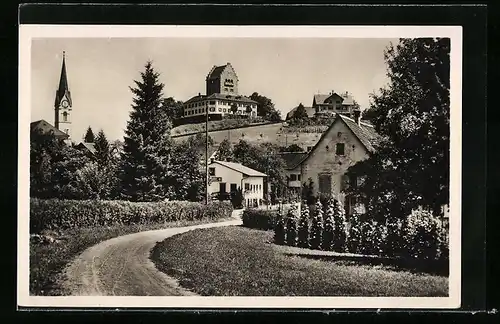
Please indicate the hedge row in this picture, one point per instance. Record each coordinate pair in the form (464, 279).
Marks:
(259, 219)
(55, 214)
(324, 227)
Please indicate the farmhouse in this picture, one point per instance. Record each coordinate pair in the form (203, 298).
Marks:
(333, 103)
(221, 97)
(344, 143)
(228, 177)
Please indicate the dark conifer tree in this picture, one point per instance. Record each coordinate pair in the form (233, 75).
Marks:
(146, 152)
(89, 136)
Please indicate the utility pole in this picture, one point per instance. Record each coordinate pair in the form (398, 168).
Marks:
(206, 155)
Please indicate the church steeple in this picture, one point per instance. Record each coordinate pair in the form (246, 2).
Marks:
(63, 104)
(63, 84)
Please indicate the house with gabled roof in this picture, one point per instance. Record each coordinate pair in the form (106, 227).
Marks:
(342, 145)
(333, 103)
(43, 127)
(228, 177)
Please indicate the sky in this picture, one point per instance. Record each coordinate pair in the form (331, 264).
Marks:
(287, 70)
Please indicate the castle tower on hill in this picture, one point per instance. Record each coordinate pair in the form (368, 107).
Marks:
(63, 105)
(223, 80)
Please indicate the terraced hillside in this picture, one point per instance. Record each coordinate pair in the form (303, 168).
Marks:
(277, 133)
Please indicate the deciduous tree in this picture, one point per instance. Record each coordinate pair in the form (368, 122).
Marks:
(412, 113)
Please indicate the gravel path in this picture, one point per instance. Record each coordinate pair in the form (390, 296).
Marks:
(121, 266)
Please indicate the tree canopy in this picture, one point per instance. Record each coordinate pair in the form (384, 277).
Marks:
(265, 108)
(411, 166)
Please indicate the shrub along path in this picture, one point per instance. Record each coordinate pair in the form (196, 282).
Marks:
(121, 266)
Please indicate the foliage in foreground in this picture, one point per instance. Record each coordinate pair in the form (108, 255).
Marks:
(47, 261)
(54, 214)
(420, 236)
(259, 219)
(236, 261)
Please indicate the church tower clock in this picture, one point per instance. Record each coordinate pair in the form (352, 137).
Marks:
(63, 105)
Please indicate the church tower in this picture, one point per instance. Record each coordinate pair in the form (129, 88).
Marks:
(63, 105)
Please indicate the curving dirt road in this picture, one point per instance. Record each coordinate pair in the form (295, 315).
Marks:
(121, 266)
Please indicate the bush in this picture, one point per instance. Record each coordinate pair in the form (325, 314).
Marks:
(421, 235)
(339, 232)
(280, 229)
(317, 227)
(394, 242)
(329, 228)
(372, 238)
(304, 230)
(259, 219)
(55, 214)
(354, 242)
(292, 226)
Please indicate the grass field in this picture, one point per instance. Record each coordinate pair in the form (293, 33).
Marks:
(48, 260)
(237, 261)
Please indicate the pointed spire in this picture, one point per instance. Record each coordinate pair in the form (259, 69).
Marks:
(63, 84)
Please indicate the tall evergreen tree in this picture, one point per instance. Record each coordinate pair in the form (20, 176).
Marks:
(89, 136)
(146, 151)
(102, 147)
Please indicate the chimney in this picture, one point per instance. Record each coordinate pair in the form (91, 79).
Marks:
(357, 116)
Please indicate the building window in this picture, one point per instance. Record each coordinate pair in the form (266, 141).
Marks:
(293, 177)
(325, 183)
(298, 177)
(309, 148)
(65, 116)
(211, 171)
(247, 186)
(231, 90)
(212, 102)
(220, 109)
(339, 149)
(234, 187)
(339, 134)
(224, 109)
(212, 109)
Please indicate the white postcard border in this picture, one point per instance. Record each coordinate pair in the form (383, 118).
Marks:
(29, 32)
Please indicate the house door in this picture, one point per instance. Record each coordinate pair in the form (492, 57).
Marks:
(325, 183)
(222, 187)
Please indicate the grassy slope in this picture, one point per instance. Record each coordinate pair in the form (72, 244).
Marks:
(48, 261)
(239, 261)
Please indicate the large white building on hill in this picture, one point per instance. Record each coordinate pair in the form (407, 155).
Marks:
(221, 98)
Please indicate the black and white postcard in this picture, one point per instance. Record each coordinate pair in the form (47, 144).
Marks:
(240, 166)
